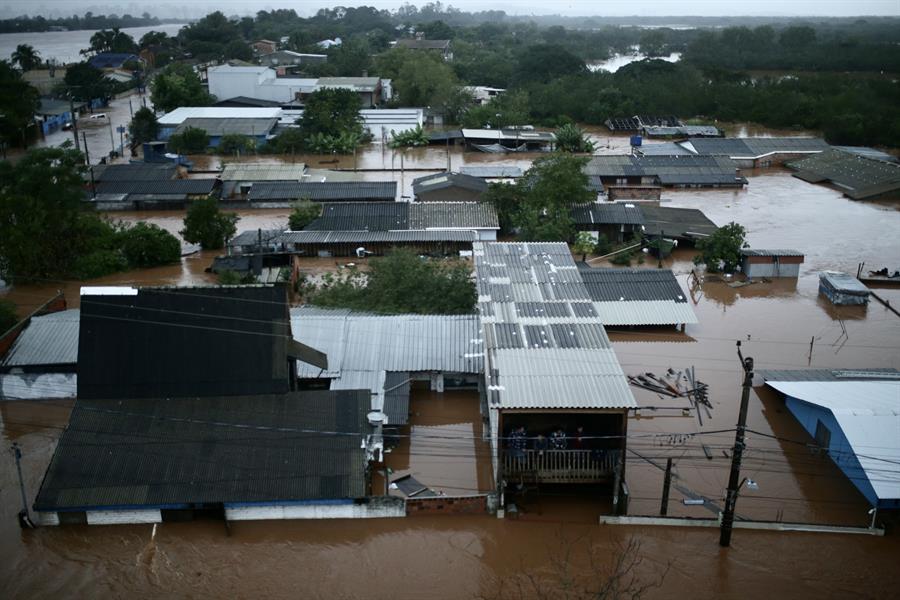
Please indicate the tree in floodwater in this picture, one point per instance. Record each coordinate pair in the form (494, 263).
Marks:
(206, 225)
(303, 212)
(722, 250)
(144, 127)
(26, 57)
(581, 569)
(18, 103)
(549, 189)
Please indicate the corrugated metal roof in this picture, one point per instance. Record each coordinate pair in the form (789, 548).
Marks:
(323, 191)
(179, 115)
(453, 215)
(440, 181)
(646, 312)
(676, 222)
(868, 413)
(609, 285)
(844, 283)
(404, 343)
(262, 172)
(215, 127)
(827, 374)
(492, 171)
(859, 176)
(133, 172)
(555, 378)
(362, 216)
(37, 386)
(545, 349)
(48, 340)
(756, 147)
(671, 170)
(354, 237)
(155, 187)
(776, 252)
(165, 451)
(607, 213)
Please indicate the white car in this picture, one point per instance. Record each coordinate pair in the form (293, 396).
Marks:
(98, 116)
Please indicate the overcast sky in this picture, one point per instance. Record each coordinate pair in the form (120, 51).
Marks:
(714, 8)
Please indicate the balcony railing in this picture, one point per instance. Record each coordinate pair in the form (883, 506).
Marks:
(560, 466)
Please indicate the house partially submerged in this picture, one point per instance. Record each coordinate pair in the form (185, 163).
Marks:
(853, 416)
(635, 297)
(549, 367)
(283, 193)
(238, 178)
(509, 140)
(170, 382)
(615, 221)
(842, 288)
(758, 262)
(757, 151)
(385, 354)
(149, 194)
(636, 123)
(42, 362)
(256, 123)
(687, 225)
(858, 176)
(448, 187)
(669, 171)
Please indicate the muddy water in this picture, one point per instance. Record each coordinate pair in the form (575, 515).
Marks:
(459, 557)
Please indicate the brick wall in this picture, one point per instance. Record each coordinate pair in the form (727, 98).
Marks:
(458, 505)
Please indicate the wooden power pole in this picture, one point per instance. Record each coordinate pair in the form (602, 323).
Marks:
(737, 453)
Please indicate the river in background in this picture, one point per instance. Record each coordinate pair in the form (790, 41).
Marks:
(64, 47)
(617, 61)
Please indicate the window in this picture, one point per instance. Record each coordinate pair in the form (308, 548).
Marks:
(823, 435)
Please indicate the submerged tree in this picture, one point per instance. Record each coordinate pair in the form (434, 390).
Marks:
(722, 250)
(549, 189)
(206, 225)
(571, 138)
(144, 126)
(303, 212)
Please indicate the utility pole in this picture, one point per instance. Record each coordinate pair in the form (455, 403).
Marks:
(664, 506)
(659, 249)
(87, 156)
(24, 516)
(74, 120)
(734, 482)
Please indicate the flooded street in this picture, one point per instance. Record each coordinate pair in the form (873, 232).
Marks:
(467, 556)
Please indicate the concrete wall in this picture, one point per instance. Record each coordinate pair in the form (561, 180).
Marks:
(458, 505)
(376, 508)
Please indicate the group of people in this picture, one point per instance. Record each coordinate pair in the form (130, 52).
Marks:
(559, 439)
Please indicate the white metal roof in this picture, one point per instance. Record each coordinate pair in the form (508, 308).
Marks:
(179, 115)
(645, 312)
(48, 340)
(368, 342)
(868, 413)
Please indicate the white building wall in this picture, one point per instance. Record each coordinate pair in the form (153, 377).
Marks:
(119, 517)
(487, 235)
(316, 511)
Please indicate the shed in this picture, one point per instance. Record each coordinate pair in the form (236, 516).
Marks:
(842, 288)
(683, 224)
(771, 263)
(857, 424)
(616, 221)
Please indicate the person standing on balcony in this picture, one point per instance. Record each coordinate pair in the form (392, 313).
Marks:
(540, 444)
(518, 442)
(558, 440)
(578, 441)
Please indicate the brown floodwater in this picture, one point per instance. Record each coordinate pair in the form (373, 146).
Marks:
(463, 557)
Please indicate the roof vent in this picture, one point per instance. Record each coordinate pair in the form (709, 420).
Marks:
(376, 418)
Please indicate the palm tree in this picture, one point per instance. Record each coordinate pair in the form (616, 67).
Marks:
(26, 57)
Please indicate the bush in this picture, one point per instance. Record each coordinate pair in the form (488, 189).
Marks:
(622, 259)
(189, 141)
(409, 138)
(235, 143)
(8, 316)
(98, 263)
(288, 141)
(304, 212)
(570, 138)
(206, 225)
(147, 245)
(235, 278)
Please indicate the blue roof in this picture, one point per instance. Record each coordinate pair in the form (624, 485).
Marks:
(111, 60)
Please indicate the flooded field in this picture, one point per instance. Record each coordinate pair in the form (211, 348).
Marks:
(463, 557)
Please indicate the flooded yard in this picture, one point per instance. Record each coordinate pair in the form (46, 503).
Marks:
(464, 556)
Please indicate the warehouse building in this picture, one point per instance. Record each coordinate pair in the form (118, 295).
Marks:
(858, 176)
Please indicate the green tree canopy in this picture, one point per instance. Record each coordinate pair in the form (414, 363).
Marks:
(722, 250)
(111, 40)
(148, 245)
(418, 78)
(236, 143)
(401, 282)
(543, 62)
(206, 225)
(584, 244)
(144, 126)
(26, 57)
(571, 138)
(303, 212)
(190, 141)
(178, 85)
(549, 189)
(208, 37)
(18, 102)
(86, 83)
(331, 111)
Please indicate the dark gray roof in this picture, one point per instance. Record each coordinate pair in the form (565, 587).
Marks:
(247, 101)
(323, 191)
(685, 223)
(607, 213)
(155, 187)
(829, 374)
(844, 283)
(670, 170)
(252, 237)
(362, 216)
(612, 285)
(215, 127)
(382, 237)
(453, 215)
(857, 176)
(762, 252)
(757, 146)
(168, 452)
(145, 343)
(134, 172)
(48, 340)
(396, 398)
(440, 181)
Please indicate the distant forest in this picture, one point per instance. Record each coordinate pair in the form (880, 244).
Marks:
(89, 21)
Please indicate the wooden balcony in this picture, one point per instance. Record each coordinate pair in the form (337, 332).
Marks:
(560, 466)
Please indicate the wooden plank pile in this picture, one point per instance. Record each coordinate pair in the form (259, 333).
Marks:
(677, 384)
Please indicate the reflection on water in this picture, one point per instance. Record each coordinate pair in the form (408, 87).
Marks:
(618, 61)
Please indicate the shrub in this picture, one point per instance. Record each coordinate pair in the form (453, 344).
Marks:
(571, 138)
(228, 277)
(190, 141)
(235, 143)
(147, 245)
(409, 138)
(206, 225)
